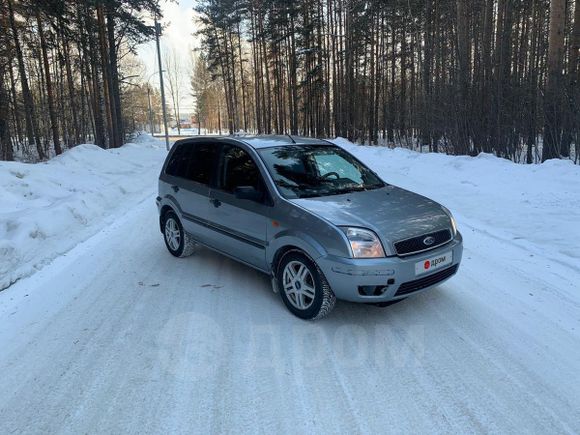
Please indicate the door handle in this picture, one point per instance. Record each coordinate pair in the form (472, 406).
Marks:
(175, 188)
(216, 202)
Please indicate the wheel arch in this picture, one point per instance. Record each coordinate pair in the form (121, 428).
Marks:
(283, 251)
(164, 210)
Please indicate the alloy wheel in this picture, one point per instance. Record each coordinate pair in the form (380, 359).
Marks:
(299, 285)
(172, 234)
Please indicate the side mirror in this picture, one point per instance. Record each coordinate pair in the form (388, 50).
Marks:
(248, 192)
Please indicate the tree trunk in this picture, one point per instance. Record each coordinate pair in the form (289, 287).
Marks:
(114, 72)
(31, 127)
(110, 109)
(572, 106)
(553, 94)
(243, 83)
(71, 91)
(463, 73)
(49, 90)
(5, 142)
(92, 57)
(426, 74)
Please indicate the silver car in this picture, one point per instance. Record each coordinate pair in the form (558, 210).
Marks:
(310, 215)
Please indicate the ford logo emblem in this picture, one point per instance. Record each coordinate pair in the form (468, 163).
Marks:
(428, 241)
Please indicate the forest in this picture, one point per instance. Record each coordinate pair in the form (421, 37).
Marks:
(459, 76)
(453, 76)
(65, 73)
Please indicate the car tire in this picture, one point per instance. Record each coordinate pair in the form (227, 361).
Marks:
(178, 242)
(303, 287)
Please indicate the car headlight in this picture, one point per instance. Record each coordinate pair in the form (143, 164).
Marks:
(364, 243)
(452, 219)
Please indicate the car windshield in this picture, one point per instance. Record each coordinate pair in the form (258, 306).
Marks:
(304, 171)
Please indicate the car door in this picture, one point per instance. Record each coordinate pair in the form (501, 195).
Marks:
(240, 224)
(193, 189)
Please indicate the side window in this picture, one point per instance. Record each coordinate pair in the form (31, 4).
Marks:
(202, 162)
(239, 170)
(177, 165)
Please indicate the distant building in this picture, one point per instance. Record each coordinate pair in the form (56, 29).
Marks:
(185, 123)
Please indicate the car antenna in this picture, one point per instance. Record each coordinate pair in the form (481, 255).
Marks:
(291, 138)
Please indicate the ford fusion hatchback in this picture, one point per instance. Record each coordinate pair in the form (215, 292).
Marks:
(309, 214)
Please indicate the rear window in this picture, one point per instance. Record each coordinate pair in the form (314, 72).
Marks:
(177, 165)
(194, 162)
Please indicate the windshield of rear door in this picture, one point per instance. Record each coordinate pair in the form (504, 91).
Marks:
(306, 171)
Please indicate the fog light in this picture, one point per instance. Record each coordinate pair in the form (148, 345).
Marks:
(372, 290)
(380, 289)
(366, 290)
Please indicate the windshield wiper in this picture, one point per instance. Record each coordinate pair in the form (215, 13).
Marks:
(357, 188)
(301, 190)
(351, 189)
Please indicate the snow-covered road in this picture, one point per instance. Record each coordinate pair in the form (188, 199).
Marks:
(119, 336)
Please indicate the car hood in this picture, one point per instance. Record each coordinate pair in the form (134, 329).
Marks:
(391, 212)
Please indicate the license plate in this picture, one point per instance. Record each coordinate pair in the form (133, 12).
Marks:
(433, 263)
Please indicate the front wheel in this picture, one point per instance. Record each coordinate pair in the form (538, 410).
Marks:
(303, 287)
(179, 243)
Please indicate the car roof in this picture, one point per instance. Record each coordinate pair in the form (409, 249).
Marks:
(265, 140)
(270, 140)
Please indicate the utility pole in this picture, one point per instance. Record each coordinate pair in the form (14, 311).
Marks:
(157, 32)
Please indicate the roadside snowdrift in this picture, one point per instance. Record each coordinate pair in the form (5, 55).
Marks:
(48, 208)
(536, 207)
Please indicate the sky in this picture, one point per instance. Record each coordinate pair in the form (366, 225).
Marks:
(178, 34)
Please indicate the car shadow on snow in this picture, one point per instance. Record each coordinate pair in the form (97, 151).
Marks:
(227, 278)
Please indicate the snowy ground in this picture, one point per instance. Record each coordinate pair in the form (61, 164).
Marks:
(48, 208)
(118, 336)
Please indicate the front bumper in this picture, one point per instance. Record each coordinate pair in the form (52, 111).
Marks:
(346, 275)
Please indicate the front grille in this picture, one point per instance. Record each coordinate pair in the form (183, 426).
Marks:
(427, 281)
(416, 244)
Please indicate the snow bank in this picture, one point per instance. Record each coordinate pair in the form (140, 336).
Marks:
(47, 208)
(535, 206)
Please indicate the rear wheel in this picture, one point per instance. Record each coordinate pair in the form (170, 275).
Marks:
(179, 243)
(303, 287)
